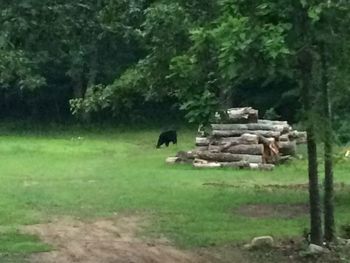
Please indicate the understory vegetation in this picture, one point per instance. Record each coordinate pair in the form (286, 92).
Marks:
(124, 61)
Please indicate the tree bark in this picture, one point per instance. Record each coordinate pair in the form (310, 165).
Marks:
(201, 148)
(244, 139)
(206, 165)
(284, 138)
(253, 166)
(329, 222)
(287, 148)
(252, 126)
(299, 137)
(238, 165)
(271, 152)
(305, 66)
(315, 209)
(238, 115)
(202, 141)
(228, 157)
(233, 133)
(78, 88)
(262, 121)
(266, 141)
(253, 149)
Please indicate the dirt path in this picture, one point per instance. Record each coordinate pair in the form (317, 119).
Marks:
(115, 241)
(104, 241)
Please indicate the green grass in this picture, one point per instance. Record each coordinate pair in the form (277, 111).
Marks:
(14, 242)
(100, 174)
(15, 246)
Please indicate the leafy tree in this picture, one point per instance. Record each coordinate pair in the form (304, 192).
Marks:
(267, 41)
(332, 19)
(68, 44)
(163, 34)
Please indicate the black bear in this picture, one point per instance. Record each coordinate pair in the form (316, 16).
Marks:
(167, 137)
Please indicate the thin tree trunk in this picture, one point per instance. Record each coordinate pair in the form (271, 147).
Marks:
(315, 209)
(225, 98)
(329, 222)
(306, 64)
(78, 89)
(93, 67)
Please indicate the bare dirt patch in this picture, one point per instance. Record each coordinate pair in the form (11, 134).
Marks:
(284, 211)
(115, 241)
(104, 241)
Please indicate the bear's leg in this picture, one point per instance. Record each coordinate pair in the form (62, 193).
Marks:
(174, 137)
(167, 144)
(160, 142)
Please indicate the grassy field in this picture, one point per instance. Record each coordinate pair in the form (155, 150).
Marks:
(90, 175)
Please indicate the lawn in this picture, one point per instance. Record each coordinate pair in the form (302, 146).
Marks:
(100, 174)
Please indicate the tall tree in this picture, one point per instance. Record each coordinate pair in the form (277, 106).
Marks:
(306, 64)
(265, 41)
(329, 223)
(332, 19)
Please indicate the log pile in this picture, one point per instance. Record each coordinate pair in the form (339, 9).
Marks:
(239, 139)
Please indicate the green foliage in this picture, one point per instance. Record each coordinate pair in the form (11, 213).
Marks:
(64, 50)
(200, 108)
(343, 131)
(94, 101)
(271, 114)
(16, 71)
(345, 231)
(119, 95)
(151, 52)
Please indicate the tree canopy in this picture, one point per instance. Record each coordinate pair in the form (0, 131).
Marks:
(133, 60)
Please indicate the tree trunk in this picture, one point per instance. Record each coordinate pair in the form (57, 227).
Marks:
(201, 148)
(253, 149)
(262, 121)
(238, 165)
(228, 157)
(315, 209)
(299, 137)
(284, 138)
(202, 141)
(225, 98)
(329, 222)
(206, 165)
(93, 67)
(252, 126)
(305, 66)
(78, 87)
(233, 133)
(244, 139)
(271, 152)
(238, 115)
(253, 166)
(287, 148)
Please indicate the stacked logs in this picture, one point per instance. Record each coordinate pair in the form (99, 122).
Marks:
(240, 139)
